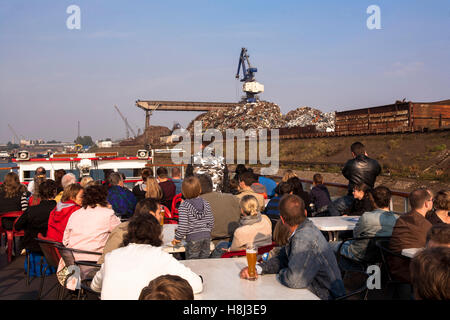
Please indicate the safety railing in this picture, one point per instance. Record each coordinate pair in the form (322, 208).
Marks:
(399, 201)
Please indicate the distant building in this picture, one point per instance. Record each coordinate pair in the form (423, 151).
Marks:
(104, 144)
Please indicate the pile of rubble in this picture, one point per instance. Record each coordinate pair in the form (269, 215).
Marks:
(304, 116)
(264, 115)
(248, 116)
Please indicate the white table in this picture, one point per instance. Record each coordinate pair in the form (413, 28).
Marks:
(335, 224)
(411, 252)
(221, 281)
(169, 235)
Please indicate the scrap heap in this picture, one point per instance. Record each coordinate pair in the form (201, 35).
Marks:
(264, 114)
(248, 116)
(304, 116)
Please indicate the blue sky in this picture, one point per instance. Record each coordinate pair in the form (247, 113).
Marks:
(315, 53)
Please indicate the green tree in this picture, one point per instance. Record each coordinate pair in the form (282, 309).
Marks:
(84, 141)
(10, 146)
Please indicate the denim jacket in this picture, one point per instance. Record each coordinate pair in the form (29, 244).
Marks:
(307, 261)
(378, 223)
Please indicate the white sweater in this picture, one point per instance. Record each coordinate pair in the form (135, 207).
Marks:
(126, 271)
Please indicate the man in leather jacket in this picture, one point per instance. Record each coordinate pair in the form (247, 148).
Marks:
(359, 169)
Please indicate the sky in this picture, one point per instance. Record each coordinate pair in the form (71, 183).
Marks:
(308, 53)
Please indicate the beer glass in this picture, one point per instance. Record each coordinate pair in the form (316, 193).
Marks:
(251, 252)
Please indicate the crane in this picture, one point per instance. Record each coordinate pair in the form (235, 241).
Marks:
(14, 133)
(250, 86)
(127, 125)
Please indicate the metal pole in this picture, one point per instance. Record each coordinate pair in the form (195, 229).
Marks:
(406, 205)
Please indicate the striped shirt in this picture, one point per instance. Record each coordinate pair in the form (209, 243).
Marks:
(195, 220)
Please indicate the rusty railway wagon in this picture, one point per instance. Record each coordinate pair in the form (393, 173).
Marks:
(398, 117)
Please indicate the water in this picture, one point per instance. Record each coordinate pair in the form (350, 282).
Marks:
(3, 173)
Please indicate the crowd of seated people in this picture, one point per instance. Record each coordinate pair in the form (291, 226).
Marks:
(124, 227)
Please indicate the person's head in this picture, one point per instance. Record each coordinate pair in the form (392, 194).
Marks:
(68, 179)
(146, 173)
(205, 183)
(115, 179)
(162, 173)
(154, 191)
(441, 200)
(149, 206)
(86, 180)
(439, 236)
(167, 287)
(58, 177)
(11, 185)
(297, 187)
(288, 174)
(176, 172)
(47, 190)
(143, 229)
(234, 185)
(95, 195)
(357, 149)
(292, 210)
(359, 190)
(430, 276)
(40, 171)
(246, 179)
(421, 200)
(73, 192)
(382, 197)
(317, 179)
(191, 188)
(284, 188)
(281, 233)
(249, 205)
(240, 168)
(37, 181)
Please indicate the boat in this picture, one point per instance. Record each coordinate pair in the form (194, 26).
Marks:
(91, 164)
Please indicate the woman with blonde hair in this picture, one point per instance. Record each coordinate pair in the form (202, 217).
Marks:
(86, 181)
(254, 228)
(154, 191)
(288, 174)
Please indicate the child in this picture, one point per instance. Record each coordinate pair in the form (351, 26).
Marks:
(320, 196)
(195, 221)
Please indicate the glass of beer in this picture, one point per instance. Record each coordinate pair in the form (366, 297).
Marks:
(251, 252)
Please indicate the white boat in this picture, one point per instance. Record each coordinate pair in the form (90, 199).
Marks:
(91, 164)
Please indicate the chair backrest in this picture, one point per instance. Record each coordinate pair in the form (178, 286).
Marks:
(49, 250)
(371, 254)
(261, 250)
(67, 254)
(361, 287)
(385, 252)
(11, 214)
(175, 201)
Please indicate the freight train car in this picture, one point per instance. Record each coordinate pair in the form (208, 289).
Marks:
(398, 117)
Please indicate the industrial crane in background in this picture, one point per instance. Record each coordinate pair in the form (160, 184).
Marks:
(127, 125)
(251, 87)
(15, 134)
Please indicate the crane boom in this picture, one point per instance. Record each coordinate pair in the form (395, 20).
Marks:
(127, 125)
(14, 133)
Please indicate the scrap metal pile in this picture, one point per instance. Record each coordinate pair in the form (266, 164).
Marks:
(304, 116)
(264, 114)
(248, 116)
